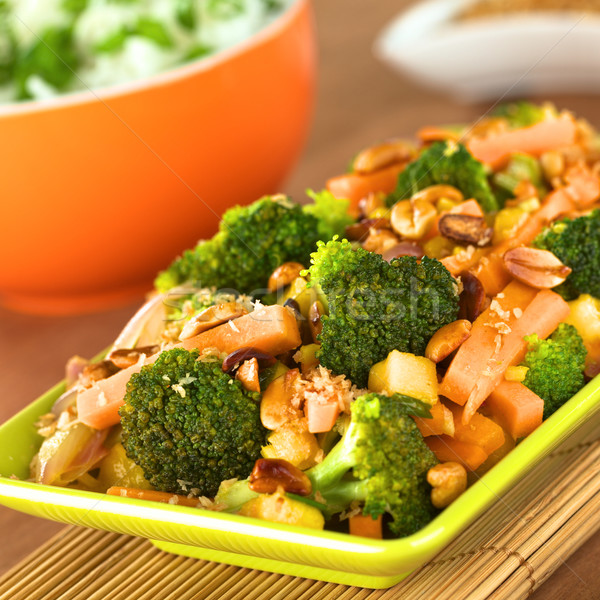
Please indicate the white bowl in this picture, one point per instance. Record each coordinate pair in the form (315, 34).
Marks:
(494, 57)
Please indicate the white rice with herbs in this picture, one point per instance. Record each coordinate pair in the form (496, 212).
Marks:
(51, 47)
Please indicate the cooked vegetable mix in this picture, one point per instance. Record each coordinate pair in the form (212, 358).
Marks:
(354, 362)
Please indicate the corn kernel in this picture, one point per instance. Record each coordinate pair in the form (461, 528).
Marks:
(516, 373)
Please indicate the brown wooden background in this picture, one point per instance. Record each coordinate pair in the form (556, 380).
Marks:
(359, 102)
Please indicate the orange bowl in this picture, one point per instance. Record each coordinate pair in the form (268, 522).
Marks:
(101, 189)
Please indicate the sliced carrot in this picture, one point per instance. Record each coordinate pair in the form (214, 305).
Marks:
(480, 430)
(474, 354)
(583, 185)
(516, 408)
(441, 422)
(355, 187)
(366, 526)
(153, 496)
(536, 139)
(321, 415)
(98, 406)
(447, 449)
(541, 317)
(271, 329)
(491, 272)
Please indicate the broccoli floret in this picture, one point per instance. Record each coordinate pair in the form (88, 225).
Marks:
(380, 463)
(331, 213)
(376, 307)
(251, 243)
(521, 167)
(576, 242)
(189, 425)
(448, 163)
(555, 366)
(521, 114)
(385, 453)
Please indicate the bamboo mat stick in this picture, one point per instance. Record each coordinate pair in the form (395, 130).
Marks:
(261, 584)
(193, 583)
(117, 569)
(54, 576)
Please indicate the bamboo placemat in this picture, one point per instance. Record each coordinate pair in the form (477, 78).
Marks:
(505, 554)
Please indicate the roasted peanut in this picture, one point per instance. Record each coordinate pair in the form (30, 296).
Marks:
(447, 339)
(96, 371)
(449, 481)
(412, 219)
(284, 275)
(276, 407)
(359, 231)
(382, 155)
(538, 268)
(379, 240)
(247, 374)
(211, 317)
(466, 229)
(375, 201)
(269, 474)
(127, 357)
(315, 324)
(433, 193)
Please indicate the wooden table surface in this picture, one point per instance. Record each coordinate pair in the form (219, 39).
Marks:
(359, 101)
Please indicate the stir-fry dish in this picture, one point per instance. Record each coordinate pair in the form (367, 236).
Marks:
(355, 362)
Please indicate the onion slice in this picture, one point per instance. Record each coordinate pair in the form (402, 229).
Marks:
(69, 451)
(149, 319)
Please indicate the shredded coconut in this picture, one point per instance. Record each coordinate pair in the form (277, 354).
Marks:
(187, 379)
(495, 307)
(321, 385)
(503, 328)
(102, 401)
(179, 389)
(184, 484)
(353, 510)
(498, 342)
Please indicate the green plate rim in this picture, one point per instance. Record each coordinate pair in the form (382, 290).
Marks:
(378, 562)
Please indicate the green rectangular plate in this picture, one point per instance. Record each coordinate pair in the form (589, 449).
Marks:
(242, 541)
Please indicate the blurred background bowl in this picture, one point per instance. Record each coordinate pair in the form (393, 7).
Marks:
(101, 189)
(488, 57)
